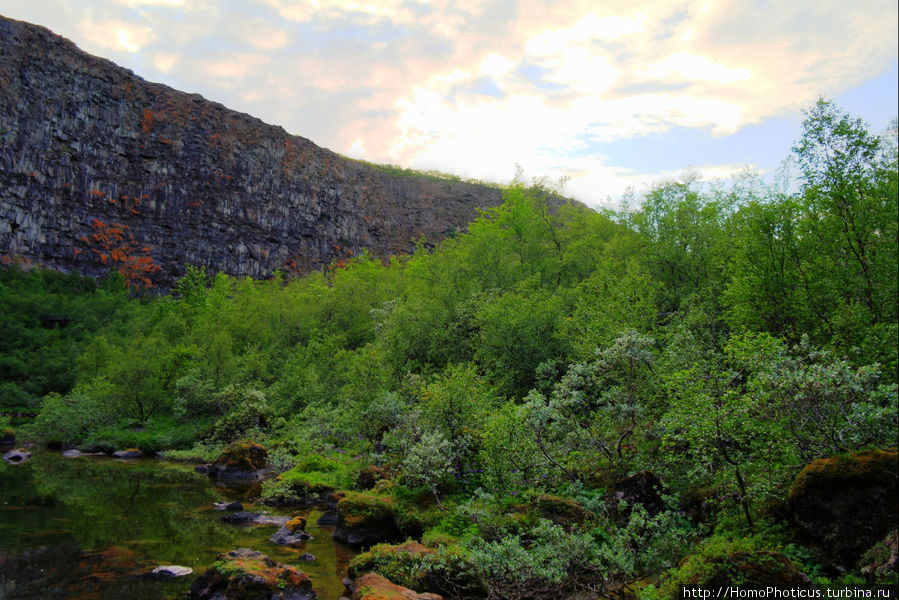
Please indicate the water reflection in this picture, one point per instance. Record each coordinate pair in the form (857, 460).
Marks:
(92, 528)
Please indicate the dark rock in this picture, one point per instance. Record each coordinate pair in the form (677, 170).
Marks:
(328, 518)
(89, 146)
(17, 456)
(642, 488)
(172, 571)
(229, 506)
(306, 557)
(245, 574)
(241, 516)
(129, 453)
(845, 504)
(203, 469)
(372, 586)
(287, 537)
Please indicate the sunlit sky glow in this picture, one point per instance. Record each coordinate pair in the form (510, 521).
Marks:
(612, 94)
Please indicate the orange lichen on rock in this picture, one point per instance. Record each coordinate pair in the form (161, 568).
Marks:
(296, 524)
(837, 471)
(113, 242)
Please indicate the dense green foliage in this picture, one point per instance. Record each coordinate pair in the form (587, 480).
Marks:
(720, 338)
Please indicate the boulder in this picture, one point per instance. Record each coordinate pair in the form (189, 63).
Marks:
(242, 461)
(372, 586)
(642, 488)
(129, 453)
(172, 571)
(845, 504)
(17, 456)
(292, 534)
(229, 506)
(286, 537)
(562, 511)
(246, 574)
(366, 519)
(307, 557)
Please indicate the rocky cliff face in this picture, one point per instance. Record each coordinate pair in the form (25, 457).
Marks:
(101, 169)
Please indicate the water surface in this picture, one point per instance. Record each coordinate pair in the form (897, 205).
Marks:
(92, 527)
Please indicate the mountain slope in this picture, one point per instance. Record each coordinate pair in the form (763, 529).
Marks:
(99, 168)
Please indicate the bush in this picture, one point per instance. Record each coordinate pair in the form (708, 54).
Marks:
(546, 563)
(70, 418)
(447, 570)
(249, 414)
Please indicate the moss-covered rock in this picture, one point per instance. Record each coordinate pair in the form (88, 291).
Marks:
(375, 587)
(404, 563)
(562, 511)
(296, 524)
(242, 459)
(369, 477)
(245, 574)
(842, 505)
(245, 455)
(365, 519)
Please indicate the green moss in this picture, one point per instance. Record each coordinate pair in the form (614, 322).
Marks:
(361, 509)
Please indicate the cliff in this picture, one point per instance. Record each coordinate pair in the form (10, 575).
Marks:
(101, 169)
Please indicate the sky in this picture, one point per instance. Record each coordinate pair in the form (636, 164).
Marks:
(611, 95)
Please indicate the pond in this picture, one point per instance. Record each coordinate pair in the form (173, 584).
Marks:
(92, 527)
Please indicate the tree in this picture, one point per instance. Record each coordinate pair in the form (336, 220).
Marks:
(849, 210)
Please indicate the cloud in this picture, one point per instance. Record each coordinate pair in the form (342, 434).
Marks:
(118, 35)
(475, 86)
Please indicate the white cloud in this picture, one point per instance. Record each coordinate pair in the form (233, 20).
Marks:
(474, 87)
(118, 35)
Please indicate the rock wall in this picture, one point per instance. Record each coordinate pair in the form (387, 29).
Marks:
(101, 169)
